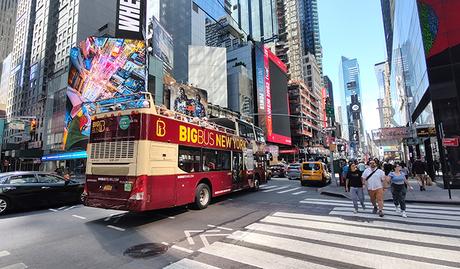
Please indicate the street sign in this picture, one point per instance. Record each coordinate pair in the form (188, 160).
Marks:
(450, 142)
(16, 125)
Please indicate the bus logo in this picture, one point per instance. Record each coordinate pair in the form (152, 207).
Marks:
(124, 122)
(98, 126)
(161, 128)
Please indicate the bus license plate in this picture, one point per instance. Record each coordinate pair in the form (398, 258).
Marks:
(107, 188)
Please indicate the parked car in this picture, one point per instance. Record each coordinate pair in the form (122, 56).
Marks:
(293, 171)
(278, 170)
(36, 189)
(314, 172)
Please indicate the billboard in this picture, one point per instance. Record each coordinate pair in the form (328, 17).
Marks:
(162, 43)
(100, 68)
(188, 100)
(130, 19)
(272, 96)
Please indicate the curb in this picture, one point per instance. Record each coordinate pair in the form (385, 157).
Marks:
(341, 195)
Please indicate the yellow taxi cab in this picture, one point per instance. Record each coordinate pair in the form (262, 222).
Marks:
(314, 172)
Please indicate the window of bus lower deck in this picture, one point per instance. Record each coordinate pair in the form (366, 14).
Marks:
(189, 159)
(216, 160)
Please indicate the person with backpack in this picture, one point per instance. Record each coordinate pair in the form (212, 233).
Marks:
(373, 177)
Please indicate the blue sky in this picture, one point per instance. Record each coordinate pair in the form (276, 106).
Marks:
(354, 29)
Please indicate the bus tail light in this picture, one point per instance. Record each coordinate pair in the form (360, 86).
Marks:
(138, 190)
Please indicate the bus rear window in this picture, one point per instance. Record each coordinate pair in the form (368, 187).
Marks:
(311, 166)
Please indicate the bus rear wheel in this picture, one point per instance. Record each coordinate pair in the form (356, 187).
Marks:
(202, 196)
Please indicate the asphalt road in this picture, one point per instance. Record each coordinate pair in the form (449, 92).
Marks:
(235, 231)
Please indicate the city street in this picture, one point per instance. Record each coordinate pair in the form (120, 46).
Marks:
(284, 225)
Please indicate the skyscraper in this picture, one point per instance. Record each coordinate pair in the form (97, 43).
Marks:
(382, 72)
(352, 125)
(387, 15)
(309, 26)
(45, 32)
(7, 24)
(256, 18)
(185, 21)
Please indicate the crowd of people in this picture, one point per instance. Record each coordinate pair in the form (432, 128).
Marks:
(376, 177)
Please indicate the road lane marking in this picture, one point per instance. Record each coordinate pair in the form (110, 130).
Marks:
(4, 253)
(289, 190)
(78, 217)
(189, 237)
(205, 240)
(392, 212)
(182, 249)
(277, 189)
(339, 254)
(189, 264)
(377, 223)
(52, 209)
(299, 192)
(62, 207)
(15, 266)
(256, 257)
(220, 227)
(369, 215)
(72, 207)
(268, 187)
(408, 234)
(411, 249)
(165, 243)
(116, 228)
(409, 206)
(213, 231)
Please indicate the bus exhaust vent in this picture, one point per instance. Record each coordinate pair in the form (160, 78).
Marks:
(112, 150)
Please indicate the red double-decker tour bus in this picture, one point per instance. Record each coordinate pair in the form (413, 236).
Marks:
(150, 158)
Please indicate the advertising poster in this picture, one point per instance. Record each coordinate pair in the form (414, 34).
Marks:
(130, 20)
(100, 68)
(162, 44)
(189, 101)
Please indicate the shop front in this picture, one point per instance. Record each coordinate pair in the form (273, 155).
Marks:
(74, 161)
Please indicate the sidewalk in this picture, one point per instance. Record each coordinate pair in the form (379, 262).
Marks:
(434, 194)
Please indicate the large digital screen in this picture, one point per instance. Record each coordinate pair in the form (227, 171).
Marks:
(100, 68)
(272, 96)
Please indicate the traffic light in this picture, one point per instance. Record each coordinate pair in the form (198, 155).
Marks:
(33, 126)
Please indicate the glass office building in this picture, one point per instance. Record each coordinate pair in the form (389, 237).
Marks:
(352, 123)
(425, 79)
(256, 18)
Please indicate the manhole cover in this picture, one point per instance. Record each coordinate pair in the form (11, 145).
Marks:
(145, 250)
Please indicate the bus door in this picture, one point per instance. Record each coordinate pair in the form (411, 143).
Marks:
(248, 166)
(237, 170)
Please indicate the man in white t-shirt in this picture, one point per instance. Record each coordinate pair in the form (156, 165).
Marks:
(373, 177)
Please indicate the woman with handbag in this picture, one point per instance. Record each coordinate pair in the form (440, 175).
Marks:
(399, 185)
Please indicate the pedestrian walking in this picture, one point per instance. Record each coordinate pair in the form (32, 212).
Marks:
(373, 177)
(354, 185)
(399, 184)
(419, 169)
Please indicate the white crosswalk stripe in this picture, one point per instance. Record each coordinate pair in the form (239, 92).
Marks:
(265, 187)
(277, 189)
(4, 253)
(294, 240)
(189, 264)
(299, 192)
(294, 189)
(15, 266)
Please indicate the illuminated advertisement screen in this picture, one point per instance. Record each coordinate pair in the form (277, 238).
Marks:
(272, 96)
(100, 68)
